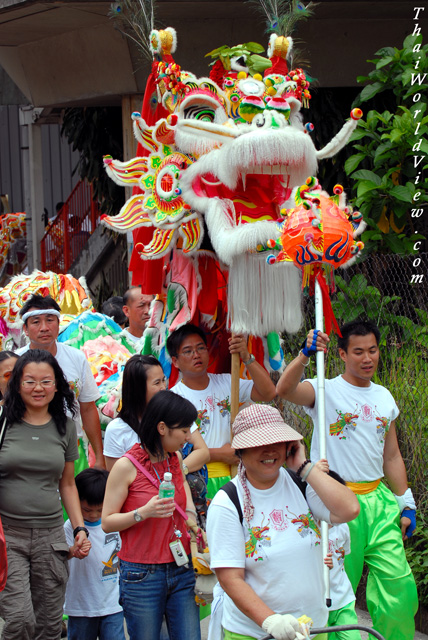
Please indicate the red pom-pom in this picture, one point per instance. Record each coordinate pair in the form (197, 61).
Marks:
(356, 114)
(337, 189)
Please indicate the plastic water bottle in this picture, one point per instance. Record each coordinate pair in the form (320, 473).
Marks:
(166, 487)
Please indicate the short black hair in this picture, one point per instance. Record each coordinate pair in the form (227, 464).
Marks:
(357, 328)
(128, 295)
(134, 389)
(91, 485)
(336, 477)
(177, 337)
(113, 307)
(168, 407)
(37, 301)
(5, 355)
(63, 399)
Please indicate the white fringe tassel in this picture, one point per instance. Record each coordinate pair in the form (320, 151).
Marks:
(262, 297)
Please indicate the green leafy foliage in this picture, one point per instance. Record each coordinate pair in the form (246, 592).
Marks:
(248, 50)
(382, 169)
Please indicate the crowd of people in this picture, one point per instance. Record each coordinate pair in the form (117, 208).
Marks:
(123, 552)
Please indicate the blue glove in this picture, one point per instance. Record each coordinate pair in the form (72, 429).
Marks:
(411, 514)
(308, 351)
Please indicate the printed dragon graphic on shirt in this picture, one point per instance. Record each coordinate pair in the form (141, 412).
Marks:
(259, 541)
(345, 423)
(203, 419)
(306, 525)
(338, 553)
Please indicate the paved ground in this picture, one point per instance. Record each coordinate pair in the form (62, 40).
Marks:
(363, 618)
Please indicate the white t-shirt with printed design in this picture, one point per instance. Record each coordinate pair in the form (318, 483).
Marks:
(339, 545)
(281, 551)
(213, 406)
(93, 584)
(357, 420)
(78, 374)
(120, 437)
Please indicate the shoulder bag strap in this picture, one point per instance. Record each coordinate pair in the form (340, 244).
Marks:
(153, 481)
(3, 425)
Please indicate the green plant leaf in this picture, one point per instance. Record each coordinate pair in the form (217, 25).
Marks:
(353, 161)
(364, 174)
(254, 47)
(371, 90)
(364, 186)
(386, 51)
(401, 193)
(358, 134)
(384, 61)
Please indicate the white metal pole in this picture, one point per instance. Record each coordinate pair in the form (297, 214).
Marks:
(319, 324)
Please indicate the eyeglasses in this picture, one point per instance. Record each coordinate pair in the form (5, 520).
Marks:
(188, 353)
(31, 384)
(7, 374)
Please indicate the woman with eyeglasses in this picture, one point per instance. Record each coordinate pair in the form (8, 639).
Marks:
(7, 362)
(37, 473)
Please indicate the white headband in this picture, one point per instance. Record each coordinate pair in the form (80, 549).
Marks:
(40, 312)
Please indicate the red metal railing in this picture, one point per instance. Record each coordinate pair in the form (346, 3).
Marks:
(69, 231)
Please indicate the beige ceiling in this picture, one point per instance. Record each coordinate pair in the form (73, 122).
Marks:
(63, 53)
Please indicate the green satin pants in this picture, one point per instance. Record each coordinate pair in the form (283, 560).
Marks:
(376, 539)
(345, 615)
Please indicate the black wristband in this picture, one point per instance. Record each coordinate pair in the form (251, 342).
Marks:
(77, 529)
(302, 466)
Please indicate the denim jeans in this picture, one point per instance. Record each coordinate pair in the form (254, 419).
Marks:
(102, 627)
(150, 591)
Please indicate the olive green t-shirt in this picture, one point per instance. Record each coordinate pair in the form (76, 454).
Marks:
(32, 460)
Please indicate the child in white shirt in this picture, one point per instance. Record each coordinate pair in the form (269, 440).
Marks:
(92, 595)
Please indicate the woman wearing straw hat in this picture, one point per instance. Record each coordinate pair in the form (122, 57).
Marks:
(269, 561)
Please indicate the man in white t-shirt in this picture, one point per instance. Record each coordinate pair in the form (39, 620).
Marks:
(136, 307)
(362, 447)
(210, 393)
(41, 326)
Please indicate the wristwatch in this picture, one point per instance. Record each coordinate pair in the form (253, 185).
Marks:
(137, 516)
(77, 529)
(185, 469)
(250, 360)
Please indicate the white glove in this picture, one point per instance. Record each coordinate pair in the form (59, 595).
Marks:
(283, 627)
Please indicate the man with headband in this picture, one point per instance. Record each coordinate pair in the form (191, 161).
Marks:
(41, 325)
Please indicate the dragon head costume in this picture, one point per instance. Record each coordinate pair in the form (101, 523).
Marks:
(217, 171)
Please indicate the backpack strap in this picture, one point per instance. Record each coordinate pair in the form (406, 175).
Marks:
(298, 481)
(232, 492)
